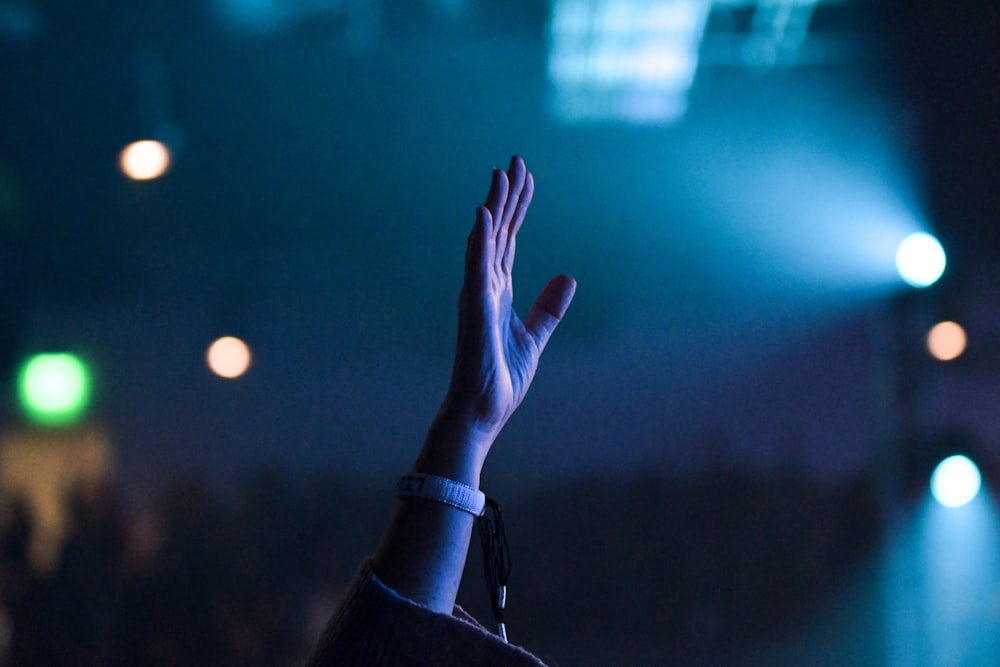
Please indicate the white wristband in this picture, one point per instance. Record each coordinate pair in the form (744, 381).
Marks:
(458, 495)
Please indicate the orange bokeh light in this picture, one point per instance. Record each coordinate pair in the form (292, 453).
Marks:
(946, 341)
(228, 357)
(145, 160)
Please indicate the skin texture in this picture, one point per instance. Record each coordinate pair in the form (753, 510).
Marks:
(423, 551)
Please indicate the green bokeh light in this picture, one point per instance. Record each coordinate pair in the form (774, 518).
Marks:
(54, 388)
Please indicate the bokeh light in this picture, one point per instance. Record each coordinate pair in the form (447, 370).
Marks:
(54, 388)
(920, 260)
(228, 357)
(145, 160)
(946, 341)
(956, 481)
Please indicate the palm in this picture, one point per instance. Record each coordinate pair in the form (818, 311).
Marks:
(513, 353)
(498, 353)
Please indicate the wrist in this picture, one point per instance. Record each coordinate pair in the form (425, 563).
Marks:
(455, 448)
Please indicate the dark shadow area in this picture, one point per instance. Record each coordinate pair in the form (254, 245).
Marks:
(636, 569)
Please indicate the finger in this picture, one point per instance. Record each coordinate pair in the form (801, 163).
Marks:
(516, 175)
(523, 203)
(494, 196)
(479, 252)
(497, 196)
(522, 209)
(549, 308)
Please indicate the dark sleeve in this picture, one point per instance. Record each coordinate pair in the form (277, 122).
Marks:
(376, 626)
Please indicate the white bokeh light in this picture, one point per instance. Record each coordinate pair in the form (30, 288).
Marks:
(920, 260)
(956, 481)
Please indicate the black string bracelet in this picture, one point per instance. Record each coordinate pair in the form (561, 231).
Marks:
(496, 560)
(489, 521)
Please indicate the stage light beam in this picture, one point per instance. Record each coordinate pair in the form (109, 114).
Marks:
(956, 481)
(920, 260)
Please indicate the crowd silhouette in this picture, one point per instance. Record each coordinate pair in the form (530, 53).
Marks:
(249, 578)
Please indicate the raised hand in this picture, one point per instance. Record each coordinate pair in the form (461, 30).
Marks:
(423, 550)
(497, 352)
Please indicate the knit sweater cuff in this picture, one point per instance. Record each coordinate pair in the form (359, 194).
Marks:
(377, 626)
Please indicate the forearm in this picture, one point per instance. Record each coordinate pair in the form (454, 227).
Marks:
(423, 551)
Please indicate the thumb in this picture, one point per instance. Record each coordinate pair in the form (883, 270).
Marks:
(549, 308)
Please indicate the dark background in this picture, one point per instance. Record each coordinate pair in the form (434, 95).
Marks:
(696, 473)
